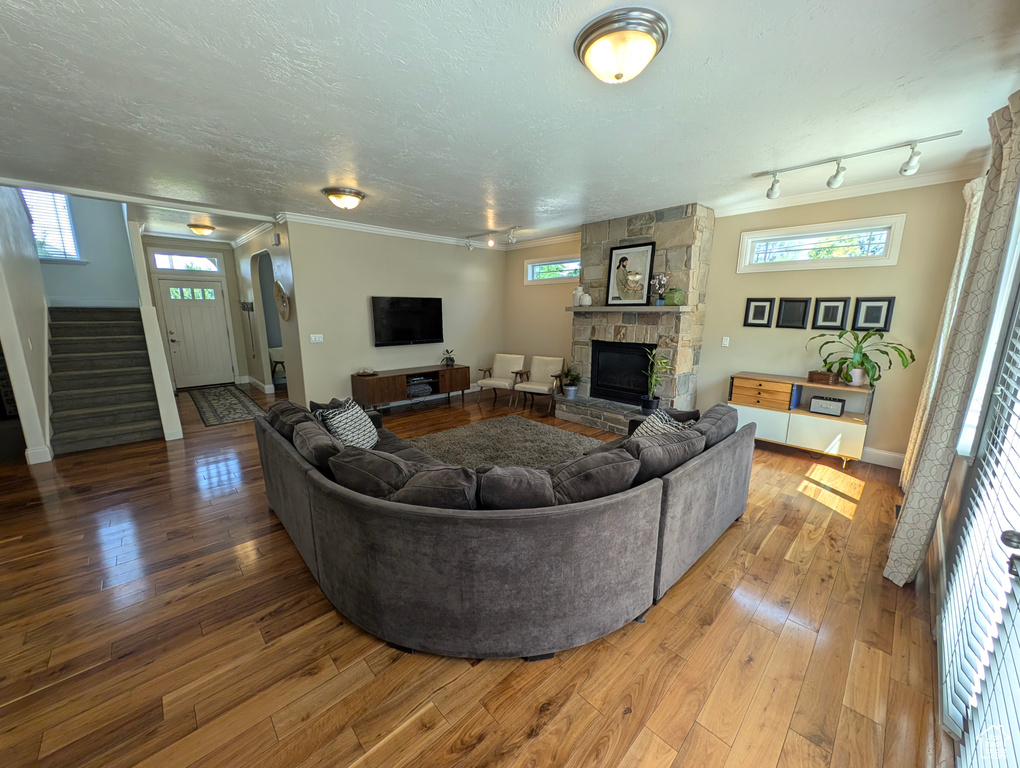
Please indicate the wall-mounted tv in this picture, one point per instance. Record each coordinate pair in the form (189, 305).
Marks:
(398, 320)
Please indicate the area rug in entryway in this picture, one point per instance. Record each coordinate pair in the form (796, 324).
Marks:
(224, 404)
(508, 441)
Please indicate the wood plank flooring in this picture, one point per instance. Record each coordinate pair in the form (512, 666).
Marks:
(154, 612)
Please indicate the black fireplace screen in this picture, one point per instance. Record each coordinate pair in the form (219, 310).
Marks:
(618, 371)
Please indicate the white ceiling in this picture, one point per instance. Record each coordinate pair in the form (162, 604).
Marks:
(459, 116)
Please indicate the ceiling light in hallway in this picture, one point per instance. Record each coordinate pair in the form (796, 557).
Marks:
(618, 45)
(202, 229)
(344, 198)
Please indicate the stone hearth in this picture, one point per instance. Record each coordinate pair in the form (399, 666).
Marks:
(593, 412)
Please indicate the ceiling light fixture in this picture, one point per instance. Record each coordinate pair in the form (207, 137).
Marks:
(202, 229)
(343, 197)
(909, 168)
(773, 192)
(491, 241)
(618, 45)
(510, 239)
(836, 179)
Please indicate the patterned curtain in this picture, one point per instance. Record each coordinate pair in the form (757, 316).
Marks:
(961, 351)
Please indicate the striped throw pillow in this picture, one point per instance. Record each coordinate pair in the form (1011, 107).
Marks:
(349, 424)
(660, 423)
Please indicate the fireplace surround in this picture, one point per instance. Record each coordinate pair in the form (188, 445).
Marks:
(618, 371)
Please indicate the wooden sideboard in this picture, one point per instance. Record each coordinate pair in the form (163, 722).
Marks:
(779, 406)
(391, 386)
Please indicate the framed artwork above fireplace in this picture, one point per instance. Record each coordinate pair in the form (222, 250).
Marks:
(630, 272)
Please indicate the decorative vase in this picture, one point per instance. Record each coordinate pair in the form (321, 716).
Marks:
(675, 297)
(577, 294)
(585, 300)
(569, 392)
(858, 377)
(649, 405)
(659, 302)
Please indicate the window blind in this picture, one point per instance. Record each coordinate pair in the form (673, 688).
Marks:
(51, 224)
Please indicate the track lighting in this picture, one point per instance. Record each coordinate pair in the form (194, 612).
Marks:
(510, 239)
(909, 168)
(836, 179)
(491, 241)
(773, 192)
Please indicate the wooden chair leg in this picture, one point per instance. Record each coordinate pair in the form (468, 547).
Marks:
(549, 410)
(494, 396)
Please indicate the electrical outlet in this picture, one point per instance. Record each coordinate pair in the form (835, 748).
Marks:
(725, 341)
(316, 338)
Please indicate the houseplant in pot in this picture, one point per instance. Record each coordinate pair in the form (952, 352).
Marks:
(658, 285)
(571, 378)
(448, 357)
(658, 366)
(858, 357)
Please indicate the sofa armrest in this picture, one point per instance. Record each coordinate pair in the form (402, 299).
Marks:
(673, 412)
(376, 418)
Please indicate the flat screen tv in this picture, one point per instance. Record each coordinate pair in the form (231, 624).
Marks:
(398, 320)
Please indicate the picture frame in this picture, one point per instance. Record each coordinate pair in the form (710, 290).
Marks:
(630, 274)
(758, 313)
(873, 313)
(793, 313)
(831, 314)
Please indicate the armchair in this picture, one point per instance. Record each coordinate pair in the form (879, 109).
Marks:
(504, 373)
(543, 378)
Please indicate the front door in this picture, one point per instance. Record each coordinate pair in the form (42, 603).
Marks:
(196, 326)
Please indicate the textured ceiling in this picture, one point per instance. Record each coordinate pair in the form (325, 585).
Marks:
(458, 116)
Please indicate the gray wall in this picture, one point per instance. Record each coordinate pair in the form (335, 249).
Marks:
(266, 280)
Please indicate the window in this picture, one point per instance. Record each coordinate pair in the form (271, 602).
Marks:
(859, 243)
(51, 224)
(186, 262)
(554, 271)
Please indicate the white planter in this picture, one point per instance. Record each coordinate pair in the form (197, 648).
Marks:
(858, 377)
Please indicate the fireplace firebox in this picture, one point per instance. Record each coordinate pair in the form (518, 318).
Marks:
(618, 371)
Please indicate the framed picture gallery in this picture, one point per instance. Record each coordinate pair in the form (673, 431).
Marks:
(758, 313)
(873, 314)
(831, 314)
(630, 272)
(793, 313)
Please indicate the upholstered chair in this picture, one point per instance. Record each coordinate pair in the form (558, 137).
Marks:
(543, 378)
(505, 372)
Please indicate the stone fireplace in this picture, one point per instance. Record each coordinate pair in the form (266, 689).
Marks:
(617, 371)
(683, 250)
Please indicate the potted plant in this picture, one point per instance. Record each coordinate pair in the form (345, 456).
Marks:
(855, 357)
(658, 365)
(658, 284)
(571, 378)
(448, 357)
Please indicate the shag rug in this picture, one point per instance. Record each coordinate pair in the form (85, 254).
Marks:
(507, 441)
(223, 405)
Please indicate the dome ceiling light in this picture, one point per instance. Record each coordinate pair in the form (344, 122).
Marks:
(618, 45)
(344, 198)
(202, 229)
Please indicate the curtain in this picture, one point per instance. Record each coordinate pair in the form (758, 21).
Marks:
(961, 351)
(972, 194)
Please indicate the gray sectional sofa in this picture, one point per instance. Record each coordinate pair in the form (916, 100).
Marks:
(501, 583)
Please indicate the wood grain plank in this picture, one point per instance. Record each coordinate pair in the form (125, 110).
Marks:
(859, 742)
(701, 749)
(798, 752)
(867, 683)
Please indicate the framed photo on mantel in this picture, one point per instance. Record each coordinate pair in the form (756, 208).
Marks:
(630, 272)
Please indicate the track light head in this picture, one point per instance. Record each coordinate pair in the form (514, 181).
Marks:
(836, 179)
(909, 168)
(773, 192)
(491, 241)
(510, 239)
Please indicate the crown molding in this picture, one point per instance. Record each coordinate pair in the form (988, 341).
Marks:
(322, 221)
(965, 173)
(552, 240)
(251, 234)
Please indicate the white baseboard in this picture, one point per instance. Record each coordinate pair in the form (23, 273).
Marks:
(242, 380)
(39, 455)
(883, 458)
(267, 388)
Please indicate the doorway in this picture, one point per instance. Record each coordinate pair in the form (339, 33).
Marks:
(195, 315)
(12, 438)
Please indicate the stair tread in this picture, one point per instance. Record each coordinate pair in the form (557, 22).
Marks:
(109, 430)
(119, 336)
(98, 410)
(67, 355)
(122, 388)
(98, 371)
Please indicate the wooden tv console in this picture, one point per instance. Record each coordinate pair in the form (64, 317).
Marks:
(391, 386)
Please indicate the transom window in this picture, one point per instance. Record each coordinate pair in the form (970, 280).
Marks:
(553, 271)
(871, 242)
(51, 224)
(186, 262)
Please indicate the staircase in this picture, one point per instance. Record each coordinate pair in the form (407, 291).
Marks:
(101, 390)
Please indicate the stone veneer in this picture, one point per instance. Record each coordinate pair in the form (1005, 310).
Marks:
(683, 250)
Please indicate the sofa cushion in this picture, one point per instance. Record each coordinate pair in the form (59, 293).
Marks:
(284, 415)
(515, 488)
(443, 487)
(417, 456)
(718, 423)
(661, 454)
(661, 423)
(372, 473)
(593, 476)
(316, 445)
(349, 424)
(389, 442)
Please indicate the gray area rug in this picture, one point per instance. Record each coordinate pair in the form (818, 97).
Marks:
(507, 441)
(224, 405)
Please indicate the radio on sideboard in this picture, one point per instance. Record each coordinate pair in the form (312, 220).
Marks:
(827, 406)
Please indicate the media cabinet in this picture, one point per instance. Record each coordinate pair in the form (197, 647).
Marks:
(391, 386)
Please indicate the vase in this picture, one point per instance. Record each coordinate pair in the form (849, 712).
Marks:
(858, 377)
(569, 392)
(649, 405)
(660, 302)
(675, 297)
(576, 295)
(585, 300)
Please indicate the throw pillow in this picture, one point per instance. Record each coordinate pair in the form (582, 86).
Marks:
(514, 488)
(349, 424)
(372, 473)
(593, 476)
(442, 487)
(284, 415)
(336, 402)
(660, 423)
(661, 454)
(316, 445)
(718, 423)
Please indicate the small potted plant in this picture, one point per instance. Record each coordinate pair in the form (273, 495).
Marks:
(858, 358)
(658, 365)
(571, 378)
(658, 284)
(448, 357)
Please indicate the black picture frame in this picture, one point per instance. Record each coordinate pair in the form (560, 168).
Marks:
(793, 313)
(831, 314)
(640, 259)
(758, 313)
(873, 313)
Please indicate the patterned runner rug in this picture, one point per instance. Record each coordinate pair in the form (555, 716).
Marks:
(224, 404)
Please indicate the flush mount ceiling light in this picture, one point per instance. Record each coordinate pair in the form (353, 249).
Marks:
(202, 229)
(344, 198)
(618, 45)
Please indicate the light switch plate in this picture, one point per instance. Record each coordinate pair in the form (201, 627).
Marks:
(725, 341)
(316, 338)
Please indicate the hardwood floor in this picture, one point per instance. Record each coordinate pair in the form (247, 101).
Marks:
(153, 612)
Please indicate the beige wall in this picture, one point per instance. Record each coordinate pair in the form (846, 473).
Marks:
(918, 281)
(336, 271)
(535, 320)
